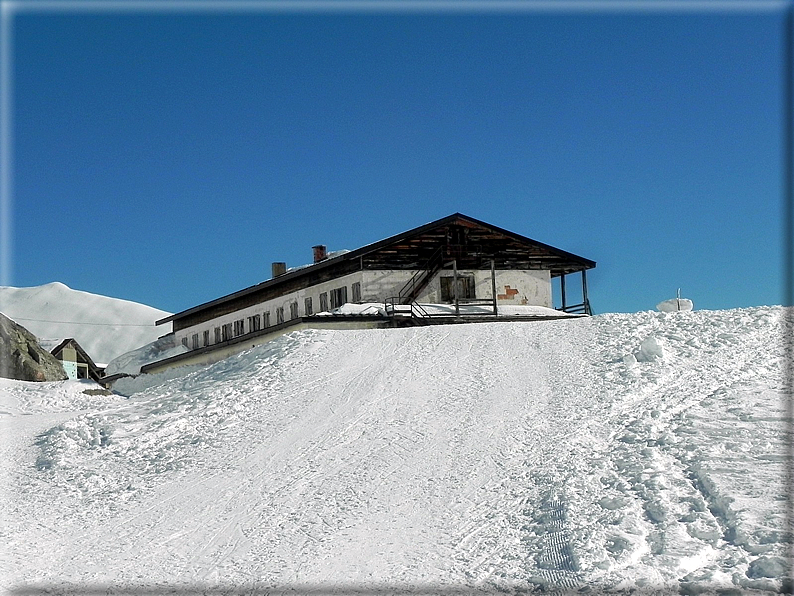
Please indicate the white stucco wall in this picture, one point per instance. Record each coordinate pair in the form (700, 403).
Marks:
(531, 287)
(271, 306)
(377, 286)
(512, 287)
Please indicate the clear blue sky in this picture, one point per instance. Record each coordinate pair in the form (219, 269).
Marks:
(169, 157)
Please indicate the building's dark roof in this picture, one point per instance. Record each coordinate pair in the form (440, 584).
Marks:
(77, 347)
(413, 248)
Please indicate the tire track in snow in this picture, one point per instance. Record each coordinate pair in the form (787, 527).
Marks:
(558, 568)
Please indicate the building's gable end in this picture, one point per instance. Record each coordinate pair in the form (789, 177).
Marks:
(473, 244)
(82, 359)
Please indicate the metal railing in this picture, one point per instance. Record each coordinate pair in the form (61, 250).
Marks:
(394, 308)
(582, 308)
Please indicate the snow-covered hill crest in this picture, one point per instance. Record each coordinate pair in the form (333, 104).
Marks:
(105, 327)
(493, 456)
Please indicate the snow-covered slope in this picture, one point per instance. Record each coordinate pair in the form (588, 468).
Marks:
(503, 456)
(105, 327)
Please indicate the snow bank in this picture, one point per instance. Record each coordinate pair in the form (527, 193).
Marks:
(366, 308)
(131, 362)
(378, 308)
(23, 398)
(494, 457)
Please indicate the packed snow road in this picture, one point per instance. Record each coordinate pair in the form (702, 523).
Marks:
(620, 451)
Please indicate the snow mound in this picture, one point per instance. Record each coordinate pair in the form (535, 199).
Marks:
(24, 399)
(105, 327)
(131, 362)
(675, 305)
(349, 308)
(379, 308)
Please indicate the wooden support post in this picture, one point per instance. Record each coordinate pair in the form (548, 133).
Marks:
(455, 286)
(493, 288)
(562, 291)
(584, 293)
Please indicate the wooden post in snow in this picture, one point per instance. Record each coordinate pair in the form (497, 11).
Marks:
(562, 291)
(493, 287)
(455, 286)
(584, 293)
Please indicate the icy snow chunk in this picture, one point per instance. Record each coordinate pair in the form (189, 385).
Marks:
(767, 567)
(629, 359)
(675, 304)
(650, 349)
(612, 503)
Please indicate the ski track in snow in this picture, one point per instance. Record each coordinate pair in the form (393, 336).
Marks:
(500, 456)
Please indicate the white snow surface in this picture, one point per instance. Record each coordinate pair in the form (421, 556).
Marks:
(465, 458)
(105, 327)
(379, 308)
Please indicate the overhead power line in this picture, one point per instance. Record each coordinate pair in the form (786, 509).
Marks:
(80, 323)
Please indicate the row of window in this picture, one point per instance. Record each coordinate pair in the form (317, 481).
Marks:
(259, 322)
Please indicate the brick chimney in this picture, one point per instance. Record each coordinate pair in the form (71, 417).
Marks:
(278, 268)
(320, 253)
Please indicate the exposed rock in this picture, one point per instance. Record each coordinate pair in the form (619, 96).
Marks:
(22, 358)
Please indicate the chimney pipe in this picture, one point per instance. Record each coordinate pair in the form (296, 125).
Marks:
(278, 268)
(320, 253)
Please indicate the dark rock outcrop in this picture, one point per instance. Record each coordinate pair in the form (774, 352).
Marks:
(22, 358)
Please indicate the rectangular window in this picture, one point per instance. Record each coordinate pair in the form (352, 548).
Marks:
(279, 315)
(217, 335)
(184, 341)
(307, 306)
(207, 337)
(338, 296)
(324, 302)
(195, 341)
(266, 318)
(254, 323)
(239, 327)
(356, 288)
(465, 288)
(227, 331)
(293, 310)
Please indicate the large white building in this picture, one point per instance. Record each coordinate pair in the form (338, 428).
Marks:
(456, 260)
